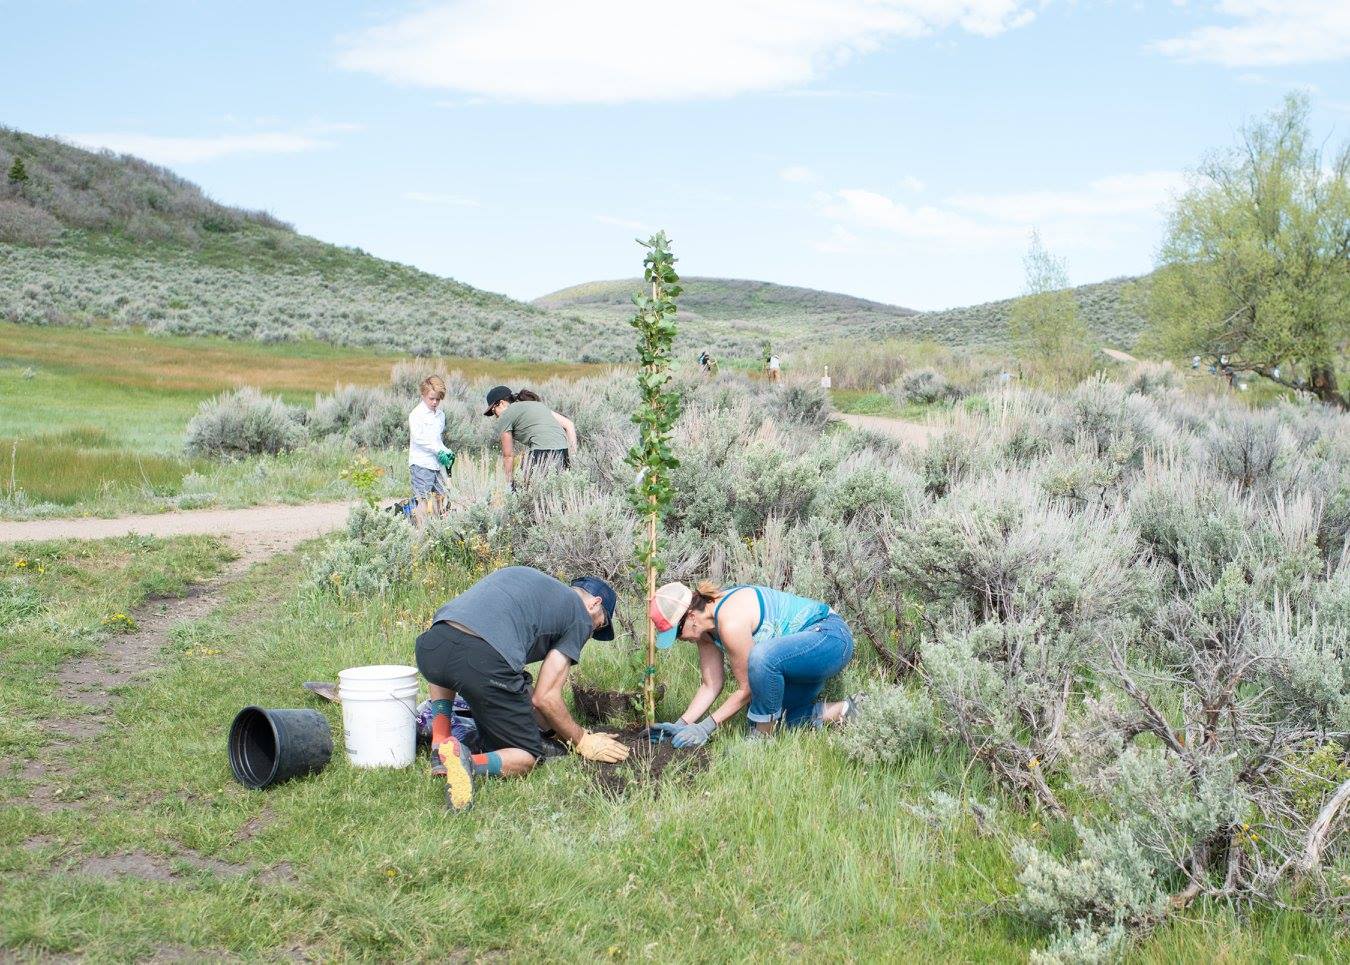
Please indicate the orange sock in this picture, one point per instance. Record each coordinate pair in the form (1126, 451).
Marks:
(440, 724)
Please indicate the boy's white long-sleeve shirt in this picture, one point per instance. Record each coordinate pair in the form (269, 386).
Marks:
(425, 429)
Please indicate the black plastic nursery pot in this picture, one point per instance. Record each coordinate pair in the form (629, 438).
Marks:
(271, 746)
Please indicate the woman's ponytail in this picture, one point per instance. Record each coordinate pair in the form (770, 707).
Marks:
(525, 395)
(708, 589)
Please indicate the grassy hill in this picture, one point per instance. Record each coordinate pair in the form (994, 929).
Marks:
(94, 239)
(733, 317)
(1107, 307)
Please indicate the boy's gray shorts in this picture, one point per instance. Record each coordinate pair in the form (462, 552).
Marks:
(426, 481)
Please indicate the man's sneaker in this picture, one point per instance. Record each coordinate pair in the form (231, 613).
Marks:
(458, 766)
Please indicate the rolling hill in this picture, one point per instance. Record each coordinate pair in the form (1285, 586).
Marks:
(735, 312)
(94, 239)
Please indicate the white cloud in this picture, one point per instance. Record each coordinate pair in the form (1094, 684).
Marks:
(867, 209)
(612, 51)
(190, 150)
(910, 183)
(797, 173)
(1116, 195)
(1083, 217)
(422, 197)
(1268, 33)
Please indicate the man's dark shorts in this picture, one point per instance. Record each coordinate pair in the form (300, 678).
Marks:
(498, 695)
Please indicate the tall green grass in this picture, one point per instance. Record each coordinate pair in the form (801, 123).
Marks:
(782, 850)
(80, 463)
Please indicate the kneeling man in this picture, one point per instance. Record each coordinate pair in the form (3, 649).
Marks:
(478, 646)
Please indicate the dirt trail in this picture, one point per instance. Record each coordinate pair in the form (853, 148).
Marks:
(911, 433)
(256, 533)
(91, 681)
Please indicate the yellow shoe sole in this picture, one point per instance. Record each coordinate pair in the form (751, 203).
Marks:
(458, 780)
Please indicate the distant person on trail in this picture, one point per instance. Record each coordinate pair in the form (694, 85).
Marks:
(782, 649)
(707, 364)
(775, 368)
(429, 459)
(550, 437)
(478, 645)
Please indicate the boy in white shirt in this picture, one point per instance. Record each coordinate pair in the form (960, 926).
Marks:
(427, 453)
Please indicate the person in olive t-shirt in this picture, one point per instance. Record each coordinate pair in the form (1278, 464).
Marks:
(526, 420)
(478, 646)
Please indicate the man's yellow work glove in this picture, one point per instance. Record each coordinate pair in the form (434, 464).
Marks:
(600, 747)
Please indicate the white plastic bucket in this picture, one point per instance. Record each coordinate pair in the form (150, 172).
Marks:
(379, 708)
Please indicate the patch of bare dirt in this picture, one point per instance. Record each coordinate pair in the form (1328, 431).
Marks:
(156, 867)
(254, 826)
(910, 433)
(281, 873)
(648, 765)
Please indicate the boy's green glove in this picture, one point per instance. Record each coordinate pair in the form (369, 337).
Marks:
(446, 458)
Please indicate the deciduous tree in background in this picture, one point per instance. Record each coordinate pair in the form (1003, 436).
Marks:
(1256, 263)
(652, 456)
(1046, 331)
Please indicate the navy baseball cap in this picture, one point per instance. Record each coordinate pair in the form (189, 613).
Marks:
(496, 394)
(599, 588)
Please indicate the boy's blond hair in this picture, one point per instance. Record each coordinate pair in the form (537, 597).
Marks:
(435, 384)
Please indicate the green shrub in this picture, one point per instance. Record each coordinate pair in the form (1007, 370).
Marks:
(891, 725)
(243, 423)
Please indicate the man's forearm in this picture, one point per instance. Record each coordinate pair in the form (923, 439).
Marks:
(554, 710)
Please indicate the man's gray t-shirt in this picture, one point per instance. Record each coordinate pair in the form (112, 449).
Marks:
(523, 614)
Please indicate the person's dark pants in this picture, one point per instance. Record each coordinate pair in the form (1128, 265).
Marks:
(498, 695)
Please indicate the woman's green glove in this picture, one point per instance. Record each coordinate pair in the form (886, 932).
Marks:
(446, 458)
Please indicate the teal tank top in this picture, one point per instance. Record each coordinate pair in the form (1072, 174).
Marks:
(780, 613)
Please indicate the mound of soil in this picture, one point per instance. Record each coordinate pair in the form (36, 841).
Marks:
(648, 765)
(598, 707)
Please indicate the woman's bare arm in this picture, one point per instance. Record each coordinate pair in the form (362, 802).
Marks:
(712, 673)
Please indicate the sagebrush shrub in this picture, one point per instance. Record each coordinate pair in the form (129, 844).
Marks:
(375, 555)
(805, 404)
(23, 224)
(1249, 448)
(890, 726)
(1154, 378)
(924, 387)
(1110, 882)
(243, 423)
(346, 408)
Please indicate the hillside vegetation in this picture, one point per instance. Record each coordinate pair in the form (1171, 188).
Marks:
(91, 238)
(735, 316)
(97, 239)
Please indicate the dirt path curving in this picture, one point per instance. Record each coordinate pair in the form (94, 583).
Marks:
(91, 682)
(255, 533)
(910, 433)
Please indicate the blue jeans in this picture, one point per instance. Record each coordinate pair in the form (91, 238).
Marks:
(788, 673)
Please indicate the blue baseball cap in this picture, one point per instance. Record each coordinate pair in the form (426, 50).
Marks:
(608, 599)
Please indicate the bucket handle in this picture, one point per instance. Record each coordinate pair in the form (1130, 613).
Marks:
(392, 696)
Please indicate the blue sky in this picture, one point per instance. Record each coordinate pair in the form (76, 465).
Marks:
(896, 149)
